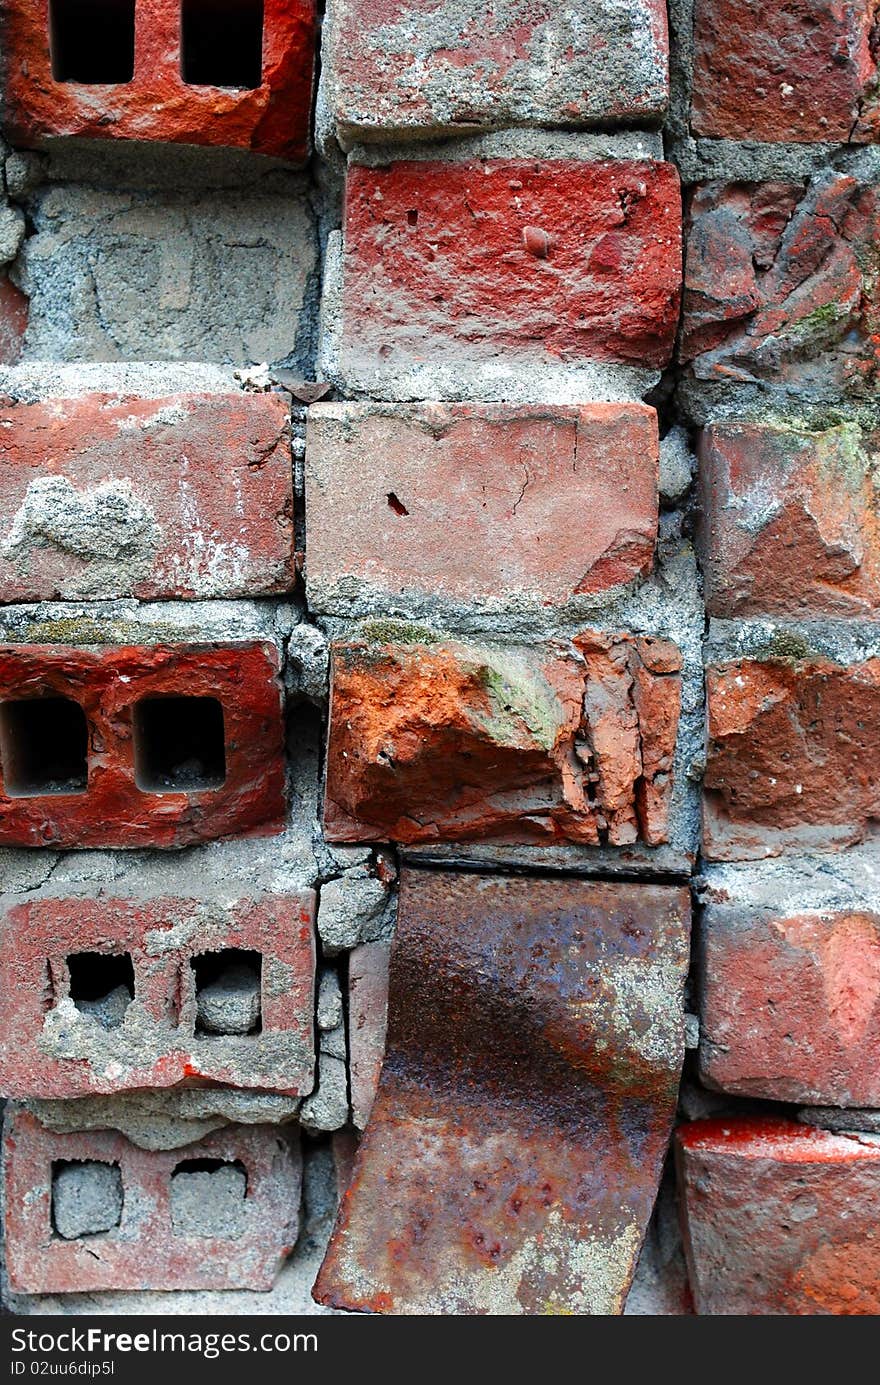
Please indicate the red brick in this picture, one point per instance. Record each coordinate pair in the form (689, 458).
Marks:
(113, 810)
(779, 285)
(791, 757)
(779, 1218)
(367, 1023)
(48, 1048)
(394, 68)
(551, 260)
(804, 70)
(790, 520)
(156, 104)
(14, 313)
(791, 1004)
(186, 496)
(445, 741)
(144, 1251)
(386, 486)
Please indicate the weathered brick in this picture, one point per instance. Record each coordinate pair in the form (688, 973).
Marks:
(93, 753)
(398, 68)
(790, 1003)
(387, 486)
(790, 520)
(802, 71)
(185, 496)
(71, 1030)
(542, 262)
(780, 285)
(779, 1218)
(791, 755)
(14, 313)
(367, 1023)
(535, 1038)
(437, 740)
(157, 79)
(169, 1236)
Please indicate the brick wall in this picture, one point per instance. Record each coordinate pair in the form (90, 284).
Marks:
(440, 656)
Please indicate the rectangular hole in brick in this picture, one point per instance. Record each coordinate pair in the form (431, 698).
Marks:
(221, 43)
(228, 986)
(44, 743)
(208, 1198)
(179, 744)
(87, 1198)
(92, 41)
(102, 985)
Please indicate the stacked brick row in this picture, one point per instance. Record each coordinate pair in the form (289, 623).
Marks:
(426, 597)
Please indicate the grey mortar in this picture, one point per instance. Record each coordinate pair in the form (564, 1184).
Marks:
(209, 1203)
(86, 1199)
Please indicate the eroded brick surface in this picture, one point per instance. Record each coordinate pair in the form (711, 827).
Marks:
(803, 70)
(186, 496)
(791, 755)
(445, 741)
(69, 1032)
(790, 520)
(779, 1218)
(386, 486)
(239, 788)
(781, 285)
(367, 1024)
(151, 98)
(550, 260)
(791, 1004)
(410, 66)
(227, 1243)
(534, 1046)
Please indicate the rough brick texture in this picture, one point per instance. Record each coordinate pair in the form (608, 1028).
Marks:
(791, 1005)
(14, 312)
(145, 1251)
(780, 1218)
(791, 758)
(541, 260)
(367, 1024)
(186, 496)
(50, 1047)
(802, 70)
(781, 285)
(444, 741)
(156, 103)
(247, 796)
(388, 486)
(790, 520)
(398, 68)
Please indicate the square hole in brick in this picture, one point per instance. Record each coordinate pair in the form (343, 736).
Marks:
(228, 985)
(221, 43)
(87, 1198)
(208, 1198)
(92, 41)
(102, 985)
(44, 743)
(179, 744)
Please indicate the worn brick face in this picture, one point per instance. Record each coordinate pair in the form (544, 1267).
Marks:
(781, 285)
(226, 777)
(260, 103)
(237, 1246)
(397, 68)
(790, 520)
(184, 496)
(387, 486)
(447, 741)
(804, 70)
(779, 1218)
(54, 1044)
(791, 758)
(791, 1004)
(541, 260)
